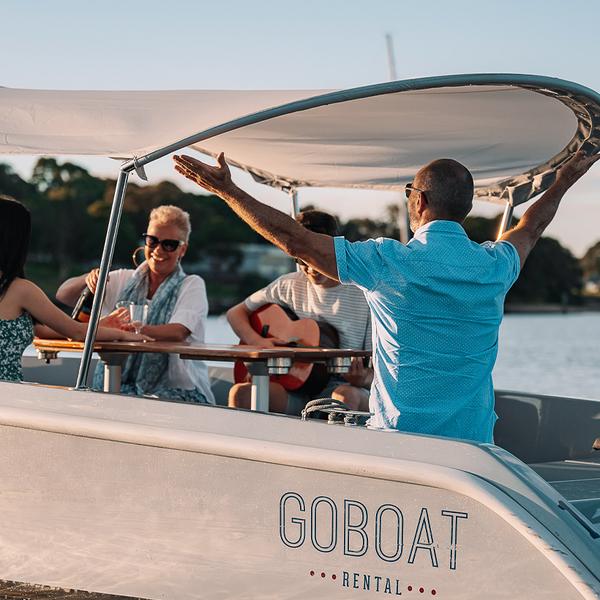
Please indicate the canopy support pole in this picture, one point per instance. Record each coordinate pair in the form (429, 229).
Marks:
(294, 200)
(105, 264)
(506, 219)
(294, 210)
(404, 221)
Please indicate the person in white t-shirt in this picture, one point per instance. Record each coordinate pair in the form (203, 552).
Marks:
(178, 308)
(310, 295)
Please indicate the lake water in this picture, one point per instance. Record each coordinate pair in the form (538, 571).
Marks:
(548, 354)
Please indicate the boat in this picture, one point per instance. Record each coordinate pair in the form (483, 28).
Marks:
(135, 497)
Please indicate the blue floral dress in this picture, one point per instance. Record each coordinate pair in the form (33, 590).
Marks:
(15, 336)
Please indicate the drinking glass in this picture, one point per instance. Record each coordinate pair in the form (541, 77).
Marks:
(138, 313)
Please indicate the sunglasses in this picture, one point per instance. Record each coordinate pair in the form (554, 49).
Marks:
(409, 188)
(168, 245)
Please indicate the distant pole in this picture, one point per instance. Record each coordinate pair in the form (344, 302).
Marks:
(391, 60)
(403, 221)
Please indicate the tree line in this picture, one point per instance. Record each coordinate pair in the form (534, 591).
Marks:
(70, 210)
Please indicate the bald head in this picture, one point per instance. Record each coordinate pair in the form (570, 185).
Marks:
(448, 188)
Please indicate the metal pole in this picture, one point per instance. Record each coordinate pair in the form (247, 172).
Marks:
(105, 263)
(391, 87)
(112, 378)
(391, 60)
(506, 219)
(294, 210)
(404, 221)
(294, 199)
(259, 392)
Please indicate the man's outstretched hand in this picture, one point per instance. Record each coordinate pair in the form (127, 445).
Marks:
(216, 180)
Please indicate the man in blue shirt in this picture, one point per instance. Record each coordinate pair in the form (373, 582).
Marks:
(436, 302)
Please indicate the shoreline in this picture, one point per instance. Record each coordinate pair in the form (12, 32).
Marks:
(517, 308)
(522, 309)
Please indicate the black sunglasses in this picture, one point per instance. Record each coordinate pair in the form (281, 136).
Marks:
(409, 188)
(168, 245)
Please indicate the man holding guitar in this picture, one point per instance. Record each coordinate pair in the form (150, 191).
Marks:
(309, 294)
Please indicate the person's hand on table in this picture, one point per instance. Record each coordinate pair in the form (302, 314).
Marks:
(131, 336)
(117, 319)
(266, 343)
(358, 375)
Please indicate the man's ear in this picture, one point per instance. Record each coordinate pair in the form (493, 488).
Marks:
(422, 203)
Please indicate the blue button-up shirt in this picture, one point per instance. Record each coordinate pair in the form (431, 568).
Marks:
(436, 304)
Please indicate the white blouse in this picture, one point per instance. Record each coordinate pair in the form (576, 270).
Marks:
(191, 311)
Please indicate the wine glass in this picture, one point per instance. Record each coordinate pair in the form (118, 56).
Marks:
(138, 313)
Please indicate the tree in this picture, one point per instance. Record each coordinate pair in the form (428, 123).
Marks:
(365, 228)
(64, 229)
(482, 229)
(12, 185)
(216, 230)
(70, 210)
(590, 263)
(551, 273)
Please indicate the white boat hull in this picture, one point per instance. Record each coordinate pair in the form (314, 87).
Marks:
(142, 498)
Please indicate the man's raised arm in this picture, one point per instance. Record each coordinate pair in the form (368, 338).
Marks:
(315, 249)
(539, 215)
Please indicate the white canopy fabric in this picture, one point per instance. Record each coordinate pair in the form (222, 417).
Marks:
(122, 124)
(511, 131)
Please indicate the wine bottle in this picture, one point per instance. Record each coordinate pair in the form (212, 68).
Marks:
(83, 308)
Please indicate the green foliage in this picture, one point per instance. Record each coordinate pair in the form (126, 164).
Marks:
(480, 229)
(64, 231)
(590, 263)
(364, 228)
(70, 209)
(12, 185)
(216, 231)
(551, 273)
(225, 291)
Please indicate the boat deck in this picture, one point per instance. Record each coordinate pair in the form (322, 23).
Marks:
(578, 481)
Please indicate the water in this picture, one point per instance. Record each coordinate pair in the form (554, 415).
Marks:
(548, 354)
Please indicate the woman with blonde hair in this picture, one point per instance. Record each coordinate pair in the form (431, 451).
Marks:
(177, 311)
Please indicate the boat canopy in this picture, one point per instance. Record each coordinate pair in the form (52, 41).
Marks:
(511, 131)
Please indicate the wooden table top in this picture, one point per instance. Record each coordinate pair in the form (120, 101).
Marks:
(204, 351)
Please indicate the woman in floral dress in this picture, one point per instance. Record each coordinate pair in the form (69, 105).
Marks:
(22, 302)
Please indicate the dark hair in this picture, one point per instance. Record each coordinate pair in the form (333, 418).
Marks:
(449, 186)
(319, 222)
(15, 233)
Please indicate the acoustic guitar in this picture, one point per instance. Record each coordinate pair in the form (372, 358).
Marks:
(274, 321)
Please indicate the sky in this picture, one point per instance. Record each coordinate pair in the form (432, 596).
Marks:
(308, 44)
